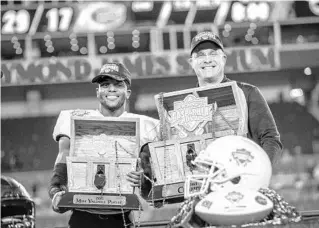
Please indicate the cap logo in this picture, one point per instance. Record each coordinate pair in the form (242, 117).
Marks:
(205, 36)
(109, 67)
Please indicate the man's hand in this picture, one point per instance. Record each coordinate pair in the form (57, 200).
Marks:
(56, 199)
(135, 177)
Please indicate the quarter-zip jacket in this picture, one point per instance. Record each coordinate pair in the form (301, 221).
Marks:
(261, 128)
(261, 125)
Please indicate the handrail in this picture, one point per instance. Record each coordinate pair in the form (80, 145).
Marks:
(157, 35)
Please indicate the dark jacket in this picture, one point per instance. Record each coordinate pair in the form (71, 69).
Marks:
(262, 127)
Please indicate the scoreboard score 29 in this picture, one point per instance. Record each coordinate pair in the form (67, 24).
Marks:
(87, 16)
(47, 18)
(61, 28)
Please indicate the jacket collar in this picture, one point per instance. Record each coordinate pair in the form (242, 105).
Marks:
(225, 79)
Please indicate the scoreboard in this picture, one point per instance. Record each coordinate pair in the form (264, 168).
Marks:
(61, 28)
(80, 17)
(52, 36)
(84, 17)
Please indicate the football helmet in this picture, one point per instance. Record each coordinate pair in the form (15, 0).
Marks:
(17, 207)
(230, 161)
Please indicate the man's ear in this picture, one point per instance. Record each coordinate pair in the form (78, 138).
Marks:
(128, 93)
(97, 92)
(190, 61)
(225, 58)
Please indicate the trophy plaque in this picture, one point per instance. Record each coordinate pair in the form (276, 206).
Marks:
(102, 151)
(190, 119)
(171, 162)
(218, 110)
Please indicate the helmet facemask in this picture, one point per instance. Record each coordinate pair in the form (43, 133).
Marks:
(213, 176)
(17, 213)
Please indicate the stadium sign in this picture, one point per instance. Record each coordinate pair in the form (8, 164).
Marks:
(141, 65)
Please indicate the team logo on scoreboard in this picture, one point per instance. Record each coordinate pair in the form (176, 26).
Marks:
(100, 16)
(242, 157)
(190, 113)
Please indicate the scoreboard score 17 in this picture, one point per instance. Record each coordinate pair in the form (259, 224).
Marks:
(76, 17)
(22, 21)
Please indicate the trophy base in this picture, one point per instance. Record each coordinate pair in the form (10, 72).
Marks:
(99, 201)
(173, 192)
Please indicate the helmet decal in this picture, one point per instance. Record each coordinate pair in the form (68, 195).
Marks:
(234, 197)
(242, 156)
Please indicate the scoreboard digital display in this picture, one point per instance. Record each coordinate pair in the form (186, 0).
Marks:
(64, 28)
(86, 16)
(80, 17)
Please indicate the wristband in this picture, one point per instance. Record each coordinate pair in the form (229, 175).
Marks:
(58, 180)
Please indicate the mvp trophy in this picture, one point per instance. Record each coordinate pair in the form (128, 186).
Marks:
(191, 119)
(103, 150)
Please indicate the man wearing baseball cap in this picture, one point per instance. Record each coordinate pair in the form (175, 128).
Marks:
(114, 89)
(116, 71)
(208, 59)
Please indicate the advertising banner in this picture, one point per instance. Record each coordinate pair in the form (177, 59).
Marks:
(141, 65)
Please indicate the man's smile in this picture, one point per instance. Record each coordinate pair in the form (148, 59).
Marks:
(112, 97)
(208, 67)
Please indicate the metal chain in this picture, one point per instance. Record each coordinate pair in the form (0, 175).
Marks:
(153, 183)
(132, 154)
(213, 122)
(119, 182)
(216, 111)
(282, 212)
(139, 189)
(163, 138)
(139, 206)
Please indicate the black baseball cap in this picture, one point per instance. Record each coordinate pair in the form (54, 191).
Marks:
(207, 37)
(116, 71)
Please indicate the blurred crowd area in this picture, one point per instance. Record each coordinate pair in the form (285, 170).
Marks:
(51, 49)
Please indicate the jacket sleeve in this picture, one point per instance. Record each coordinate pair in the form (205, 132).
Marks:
(262, 126)
(146, 166)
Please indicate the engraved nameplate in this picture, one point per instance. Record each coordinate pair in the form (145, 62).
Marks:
(99, 200)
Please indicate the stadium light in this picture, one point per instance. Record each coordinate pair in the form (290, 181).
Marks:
(307, 71)
(295, 93)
